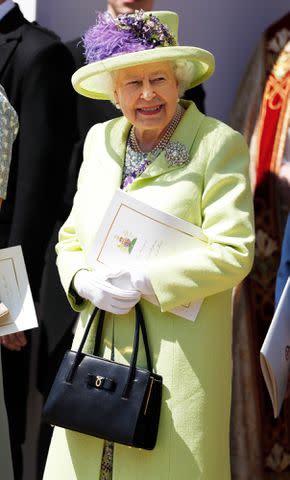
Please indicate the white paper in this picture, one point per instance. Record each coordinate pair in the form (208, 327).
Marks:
(15, 292)
(275, 352)
(133, 232)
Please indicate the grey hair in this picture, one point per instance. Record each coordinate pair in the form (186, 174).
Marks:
(183, 71)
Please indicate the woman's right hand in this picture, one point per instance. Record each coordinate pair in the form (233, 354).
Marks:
(92, 286)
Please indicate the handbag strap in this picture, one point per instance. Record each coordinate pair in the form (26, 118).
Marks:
(79, 353)
(141, 320)
(99, 332)
(139, 323)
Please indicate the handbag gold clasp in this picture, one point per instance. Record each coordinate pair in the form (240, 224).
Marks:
(99, 381)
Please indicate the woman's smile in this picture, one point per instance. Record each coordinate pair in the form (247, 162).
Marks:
(150, 111)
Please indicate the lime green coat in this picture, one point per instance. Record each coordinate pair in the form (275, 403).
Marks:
(194, 358)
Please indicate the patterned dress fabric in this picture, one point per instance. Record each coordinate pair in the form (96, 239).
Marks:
(107, 461)
(8, 131)
(134, 165)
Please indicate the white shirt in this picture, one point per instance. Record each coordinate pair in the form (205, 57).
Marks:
(6, 7)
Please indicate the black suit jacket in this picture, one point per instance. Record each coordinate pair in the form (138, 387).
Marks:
(35, 70)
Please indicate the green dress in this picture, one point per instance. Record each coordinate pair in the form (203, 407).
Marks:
(212, 191)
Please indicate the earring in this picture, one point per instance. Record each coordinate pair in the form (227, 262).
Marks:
(178, 100)
(117, 106)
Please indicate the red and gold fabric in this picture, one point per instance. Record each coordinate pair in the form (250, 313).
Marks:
(261, 444)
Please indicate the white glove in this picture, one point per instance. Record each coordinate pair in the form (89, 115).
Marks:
(133, 279)
(92, 286)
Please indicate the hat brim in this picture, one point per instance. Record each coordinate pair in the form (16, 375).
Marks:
(91, 82)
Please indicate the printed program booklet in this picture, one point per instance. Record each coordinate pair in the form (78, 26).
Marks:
(17, 307)
(133, 232)
(275, 352)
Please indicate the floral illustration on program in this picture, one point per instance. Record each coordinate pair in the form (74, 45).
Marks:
(125, 243)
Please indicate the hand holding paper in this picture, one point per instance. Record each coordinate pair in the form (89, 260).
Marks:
(133, 279)
(133, 234)
(16, 295)
(92, 286)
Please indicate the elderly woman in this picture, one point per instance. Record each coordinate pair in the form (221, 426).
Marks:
(169, 155)
(8, 131)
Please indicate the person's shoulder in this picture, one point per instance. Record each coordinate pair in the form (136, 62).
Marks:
(76, 49)
(37, 42)
(207, 126)
(38, 36)
(216, 138)
(114, 124)
(218, 130)
(40, 46)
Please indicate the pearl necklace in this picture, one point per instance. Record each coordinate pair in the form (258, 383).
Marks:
(164, 140)
(136, 161)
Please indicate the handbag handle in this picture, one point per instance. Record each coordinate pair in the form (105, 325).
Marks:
(140, 320)
(139, 323)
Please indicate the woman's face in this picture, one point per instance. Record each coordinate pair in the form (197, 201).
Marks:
(115, 7)
(147, 95)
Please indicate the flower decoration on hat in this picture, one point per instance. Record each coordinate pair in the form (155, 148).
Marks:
(125, 34)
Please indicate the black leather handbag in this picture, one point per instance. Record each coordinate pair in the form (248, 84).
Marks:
(105, 399)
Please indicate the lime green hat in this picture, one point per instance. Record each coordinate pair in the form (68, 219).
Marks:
(134, 39)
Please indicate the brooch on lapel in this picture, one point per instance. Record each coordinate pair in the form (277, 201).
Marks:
(176, 154)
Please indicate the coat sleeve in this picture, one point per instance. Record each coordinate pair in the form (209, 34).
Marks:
(70, 255)
(47, 122)
(227, 214)
(68, 265)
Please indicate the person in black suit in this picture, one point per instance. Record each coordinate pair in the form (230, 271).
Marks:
(35, 70)
(57, 317)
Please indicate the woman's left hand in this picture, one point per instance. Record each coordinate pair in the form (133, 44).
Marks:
(132, 278)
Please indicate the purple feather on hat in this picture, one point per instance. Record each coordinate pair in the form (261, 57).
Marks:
(125, 34)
